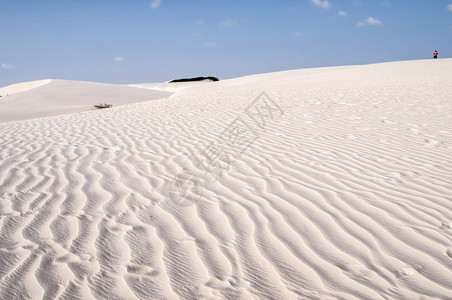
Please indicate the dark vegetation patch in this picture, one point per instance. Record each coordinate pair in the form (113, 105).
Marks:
(103, 105)
(209, 78)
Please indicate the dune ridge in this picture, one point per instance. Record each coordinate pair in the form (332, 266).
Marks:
(22, 87)
(344, 194)
(46, 98)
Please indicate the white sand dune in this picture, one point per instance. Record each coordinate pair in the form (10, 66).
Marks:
(22, 87)
(45, 98)
(334, 184)
(174, 87)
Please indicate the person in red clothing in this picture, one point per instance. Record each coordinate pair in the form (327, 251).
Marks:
(435, 54)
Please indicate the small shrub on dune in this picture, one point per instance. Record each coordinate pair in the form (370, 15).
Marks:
(103, 105)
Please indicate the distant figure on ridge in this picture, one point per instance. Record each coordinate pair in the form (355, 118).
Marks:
(435, 54)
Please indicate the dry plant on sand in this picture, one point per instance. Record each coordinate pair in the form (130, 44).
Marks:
(103, 105)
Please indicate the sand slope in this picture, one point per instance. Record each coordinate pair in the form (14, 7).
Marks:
(335, 184)
(22, 87)
(45, 98)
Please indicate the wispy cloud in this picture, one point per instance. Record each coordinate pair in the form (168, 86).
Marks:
(210, 44)
(298, 35)
(324, 4)
(449, 7)
(118, 59)
(370, 21)
(342, 13)
(386, 3)
(199, 22)
(8, 66)
(156, 3)
(374, 21)
(228, 23)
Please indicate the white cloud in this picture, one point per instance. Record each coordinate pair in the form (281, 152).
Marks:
(386, 4)
(228, 23)
(210, 44)
(370, 21)
(449, 7)
(199, 22)
(373, 21)
(156, 3)
(8, 67)
(118, 59)
(323, 4)
(342, 13)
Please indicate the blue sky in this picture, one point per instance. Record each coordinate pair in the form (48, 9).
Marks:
(134, 41)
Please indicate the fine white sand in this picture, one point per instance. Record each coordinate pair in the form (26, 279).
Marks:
(22, 87)
(334, 184)
(55, 97)
(175, 87)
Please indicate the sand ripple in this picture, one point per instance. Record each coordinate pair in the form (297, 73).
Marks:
(346, 195)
